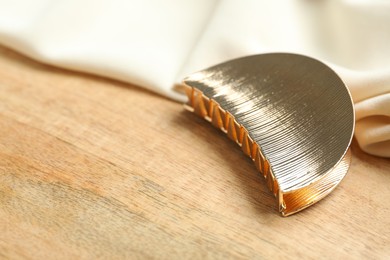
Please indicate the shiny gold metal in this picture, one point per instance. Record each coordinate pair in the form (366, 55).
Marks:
(291, 114)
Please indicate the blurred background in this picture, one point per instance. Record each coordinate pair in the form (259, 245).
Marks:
(154, 44)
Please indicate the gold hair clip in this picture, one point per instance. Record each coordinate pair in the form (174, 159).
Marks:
(291, 114)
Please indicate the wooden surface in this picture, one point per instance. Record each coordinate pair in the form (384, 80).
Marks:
(93, 168)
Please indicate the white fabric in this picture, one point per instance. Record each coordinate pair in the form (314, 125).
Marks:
(143, 42)
(155, 43)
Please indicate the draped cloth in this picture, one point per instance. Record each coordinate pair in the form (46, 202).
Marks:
(155, 43)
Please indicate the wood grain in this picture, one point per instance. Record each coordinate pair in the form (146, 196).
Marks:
(94, 168)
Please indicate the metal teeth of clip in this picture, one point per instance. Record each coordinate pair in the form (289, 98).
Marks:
(223, 120)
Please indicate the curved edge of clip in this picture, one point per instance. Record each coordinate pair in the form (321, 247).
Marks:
(296, 200)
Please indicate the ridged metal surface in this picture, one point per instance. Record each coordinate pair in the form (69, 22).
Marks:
(290, 113)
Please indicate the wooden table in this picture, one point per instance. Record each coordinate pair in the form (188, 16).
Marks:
(94, 168)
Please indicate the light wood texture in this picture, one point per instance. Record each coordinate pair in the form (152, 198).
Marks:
(93, 168)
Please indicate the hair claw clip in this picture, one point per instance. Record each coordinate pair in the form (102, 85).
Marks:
(291, 114)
